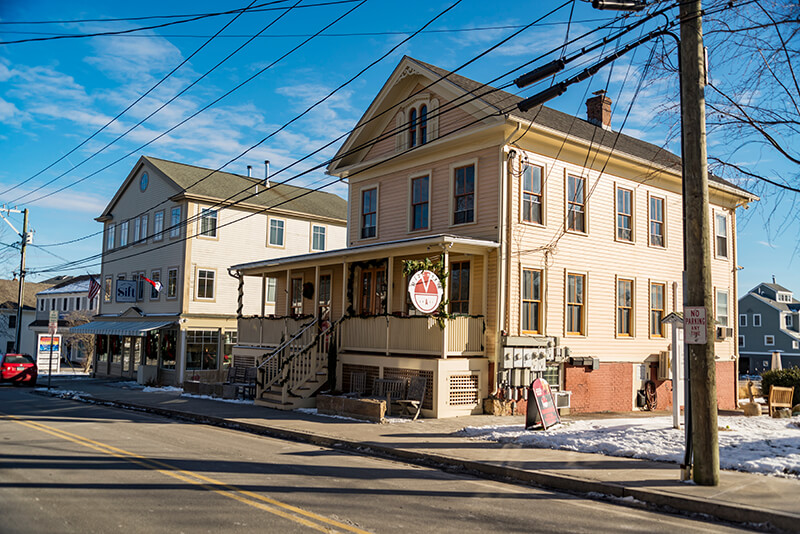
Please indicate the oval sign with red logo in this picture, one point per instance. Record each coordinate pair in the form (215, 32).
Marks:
(426, 291)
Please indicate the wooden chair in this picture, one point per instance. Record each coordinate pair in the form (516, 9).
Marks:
(412, 404)
(779, 397)
(243, 379)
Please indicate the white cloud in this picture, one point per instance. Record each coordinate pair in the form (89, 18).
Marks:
(10, 114)
(768, 244)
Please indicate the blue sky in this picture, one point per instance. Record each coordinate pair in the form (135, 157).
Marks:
(54, 94)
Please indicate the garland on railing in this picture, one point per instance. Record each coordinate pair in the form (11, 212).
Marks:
(439, 269)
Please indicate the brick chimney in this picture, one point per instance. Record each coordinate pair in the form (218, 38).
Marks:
(598, 110)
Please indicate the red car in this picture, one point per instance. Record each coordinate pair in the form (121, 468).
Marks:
(19, 369)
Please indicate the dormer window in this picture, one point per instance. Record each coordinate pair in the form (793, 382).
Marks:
(418, 126)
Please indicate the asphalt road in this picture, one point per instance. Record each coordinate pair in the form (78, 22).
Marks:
(69, 467)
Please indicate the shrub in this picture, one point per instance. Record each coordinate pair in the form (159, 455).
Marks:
(782, 377)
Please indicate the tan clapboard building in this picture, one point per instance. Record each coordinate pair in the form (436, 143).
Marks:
(183, 226)
(561, 239)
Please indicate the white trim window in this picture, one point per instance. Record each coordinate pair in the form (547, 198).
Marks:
(123, 234)
(277, 231)
(743, 319)
(769, 340)
(657, 234)
(789, 321)
(464, 194)
(576, 204)
(625, 307)
(722, 307)
(110, 236)
(757, 320)
(205, 284)
(155, 276)
(107, 289)
(175, 222)
(158, 225)
(532, 196)
(795, 344)
(208, 222)
(317, 237)
(172, 283)
(418, 126)
(721, 235)
(135, 231)
(741, 341)
(624, 214)
(143, 228)
(420, 194)
(369, 213)
(272, 290)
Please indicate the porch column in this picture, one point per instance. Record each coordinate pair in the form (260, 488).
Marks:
(446, 261)
(263, 295)
(181, 355)
(389, 300)
(344, 288)
(288, 293)
(316, 293)
(485, 302)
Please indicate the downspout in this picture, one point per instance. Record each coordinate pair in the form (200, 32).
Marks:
(734, 305)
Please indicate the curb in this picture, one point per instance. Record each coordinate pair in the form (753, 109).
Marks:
(670, 502)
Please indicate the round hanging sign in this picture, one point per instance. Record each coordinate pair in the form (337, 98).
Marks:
(426, 291)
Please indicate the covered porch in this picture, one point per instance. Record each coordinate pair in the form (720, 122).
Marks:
(357, 299)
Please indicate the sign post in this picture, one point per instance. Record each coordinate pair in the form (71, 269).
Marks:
(52, 328)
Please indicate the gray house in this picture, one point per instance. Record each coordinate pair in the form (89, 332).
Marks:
(768, 322)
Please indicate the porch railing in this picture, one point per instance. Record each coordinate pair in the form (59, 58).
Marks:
(267, 331)
(414, 335)
(272, 366)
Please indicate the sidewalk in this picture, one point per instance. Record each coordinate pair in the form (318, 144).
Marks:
(740, 497)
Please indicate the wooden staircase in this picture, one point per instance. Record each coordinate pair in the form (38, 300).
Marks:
(290, 376)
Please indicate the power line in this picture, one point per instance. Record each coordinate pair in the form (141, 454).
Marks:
(162, 80)
(187, 119)
(382, 136)
(151, 17)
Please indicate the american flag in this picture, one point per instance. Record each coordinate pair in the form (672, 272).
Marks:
(94, 288)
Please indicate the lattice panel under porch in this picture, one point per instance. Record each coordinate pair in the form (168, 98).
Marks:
(463, 390)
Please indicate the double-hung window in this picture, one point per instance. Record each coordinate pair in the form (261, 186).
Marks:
(205, 284)
(158, 225)
(418, 126)
(317, 237)
(143, 227)
(532, 301)
(576, 305)
(624, 214)
(369, 213)
(107, 289)
(532, 193)
(624, 307)
(155, 276)
(277, 229)
(576, 204)
(657, 300)
(419, 203)
(135, 231)
(208, 222)
(459, 287)
(175, 222)
(464, 195)
(657, 222)
(721, 235)
(743, 319)
(272, 287)
(722, 308)
(123, 234)
(172, 283)
(110, 231)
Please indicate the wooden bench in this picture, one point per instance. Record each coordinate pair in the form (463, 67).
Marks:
(779, 397)
(391, 389)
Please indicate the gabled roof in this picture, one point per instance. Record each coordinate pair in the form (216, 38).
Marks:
(775, 287)
(9, 293)
(498, 101)
(199, 182)
(76, 284)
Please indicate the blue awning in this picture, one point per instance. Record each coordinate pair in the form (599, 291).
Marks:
(120, 328)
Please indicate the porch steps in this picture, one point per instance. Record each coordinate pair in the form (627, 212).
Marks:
(302, 397)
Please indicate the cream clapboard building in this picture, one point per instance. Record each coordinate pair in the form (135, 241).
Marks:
(561, 239)
(183, 226)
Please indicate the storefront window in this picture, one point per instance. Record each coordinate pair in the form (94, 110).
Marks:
(229, 340)
(151, 348)
(168, 339)
(115, 354)
(101, 348)
(201, 349)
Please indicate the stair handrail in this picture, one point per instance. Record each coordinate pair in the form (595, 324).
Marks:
(285, 344)
(307, 348)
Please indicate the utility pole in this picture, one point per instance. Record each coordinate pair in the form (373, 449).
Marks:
(697, 235)
(20, 300)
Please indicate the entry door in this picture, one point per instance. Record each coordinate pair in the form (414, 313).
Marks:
(324, 292)
(125, 368)
(373, 291)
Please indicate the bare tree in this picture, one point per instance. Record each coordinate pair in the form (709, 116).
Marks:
(83, 342)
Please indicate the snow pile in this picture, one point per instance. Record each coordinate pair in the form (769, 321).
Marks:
(219, 399)
(164, 389)
(753, 444)
(388, 419)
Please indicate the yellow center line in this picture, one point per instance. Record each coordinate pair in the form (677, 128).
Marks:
(232, 492)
